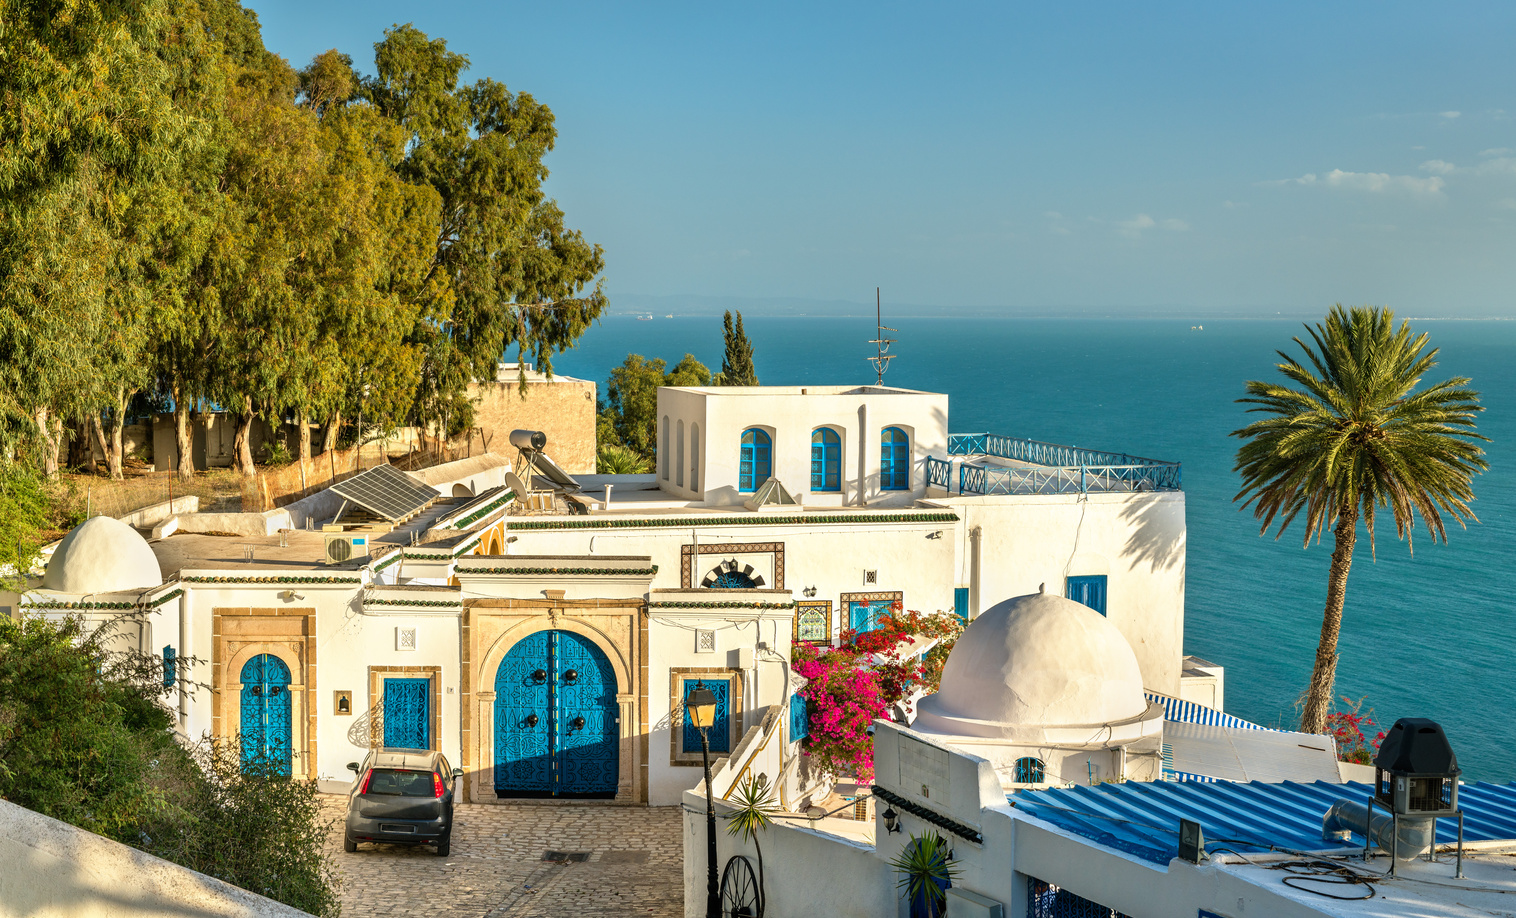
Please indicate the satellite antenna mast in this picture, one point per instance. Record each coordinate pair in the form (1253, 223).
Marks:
(881, 362)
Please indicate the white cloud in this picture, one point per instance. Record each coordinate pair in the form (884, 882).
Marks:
(1231, 204)
(1052, 214)
(1135, 227)
(1441, 167)
(1497, 165)
(1450, 115)
(1506, 203)
(1497, 151)
(1373, 182)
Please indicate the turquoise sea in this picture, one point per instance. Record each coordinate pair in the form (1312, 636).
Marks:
(1429, 635)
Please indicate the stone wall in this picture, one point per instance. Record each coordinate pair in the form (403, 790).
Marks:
(563, 408)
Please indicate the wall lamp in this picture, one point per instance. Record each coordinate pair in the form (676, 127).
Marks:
(290, 595)
(809, 591)
(934, 535)
(891, 821)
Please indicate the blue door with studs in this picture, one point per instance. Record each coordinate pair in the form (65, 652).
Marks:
(556, 719)
(266, 722)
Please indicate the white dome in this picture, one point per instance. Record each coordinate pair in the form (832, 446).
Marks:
(1031, 663)
(102, 555)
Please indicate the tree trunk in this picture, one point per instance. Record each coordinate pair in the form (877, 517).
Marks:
(184, 438)
(108, 435)
(329, 436)
(242, 440)
(50, 431)
(1318, 700)
(303, 436)
(79, 452)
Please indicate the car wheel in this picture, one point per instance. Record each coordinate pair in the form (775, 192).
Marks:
(349, 845)
(445, 844)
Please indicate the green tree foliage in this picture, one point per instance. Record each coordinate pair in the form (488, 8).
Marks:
(615, 459)
(182, 212)
(85, 737)
(737, 362)
(1352, 432)
(628, 416)
(26, 508)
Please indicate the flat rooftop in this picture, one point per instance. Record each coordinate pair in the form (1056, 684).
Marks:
(798, 390)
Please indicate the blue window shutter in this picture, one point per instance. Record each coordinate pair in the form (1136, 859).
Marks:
(800, 719)
(1090, 590)
(169, 672)
(755, 465)
(894, 460)
(961, 602)
(826, 460)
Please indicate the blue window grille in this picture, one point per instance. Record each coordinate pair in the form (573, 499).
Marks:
(1030, 770)
(800, 719)
(407, 713)
(721, 730)
(1089, 590)
(1044, 900)
(734, 580)
(169, 659)
(961, 602)
(757, 463)
(826, 460)
(894, 460)
(864, 614)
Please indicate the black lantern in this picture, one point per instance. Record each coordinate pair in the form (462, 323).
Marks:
(891, 821)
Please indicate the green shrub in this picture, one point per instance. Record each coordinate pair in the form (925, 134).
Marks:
(619, 460)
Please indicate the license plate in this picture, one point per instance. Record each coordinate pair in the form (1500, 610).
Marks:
(393, 830)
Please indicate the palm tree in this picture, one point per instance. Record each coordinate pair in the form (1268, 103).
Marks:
(754, 810)
(1355, 436)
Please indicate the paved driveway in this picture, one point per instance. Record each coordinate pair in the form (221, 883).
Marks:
(631, 865)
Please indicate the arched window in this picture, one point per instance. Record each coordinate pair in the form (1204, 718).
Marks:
(826, 460)
(1030, 770)
(663, 454)
(757, 463)
(894, 460)
(679, 454)
(734, 580)
(694, 457)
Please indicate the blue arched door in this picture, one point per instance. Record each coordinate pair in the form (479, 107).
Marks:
(266, 723)
(556, 719)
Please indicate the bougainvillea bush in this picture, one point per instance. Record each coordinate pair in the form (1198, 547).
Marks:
(1350, 727)
(857, 681)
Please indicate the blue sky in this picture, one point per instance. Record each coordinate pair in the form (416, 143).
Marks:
(1108, 157)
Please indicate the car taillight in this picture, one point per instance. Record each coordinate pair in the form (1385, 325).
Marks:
(367, 777)
(436, 785)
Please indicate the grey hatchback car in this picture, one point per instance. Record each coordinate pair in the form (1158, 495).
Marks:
(401, 797)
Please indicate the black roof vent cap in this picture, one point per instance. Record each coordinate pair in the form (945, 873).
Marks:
(1417, 746)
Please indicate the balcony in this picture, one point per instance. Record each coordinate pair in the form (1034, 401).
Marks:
(1045, 468)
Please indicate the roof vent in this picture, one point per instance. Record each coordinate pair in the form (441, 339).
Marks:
(1416, 772)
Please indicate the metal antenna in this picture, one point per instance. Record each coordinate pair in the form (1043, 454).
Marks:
(882, 361)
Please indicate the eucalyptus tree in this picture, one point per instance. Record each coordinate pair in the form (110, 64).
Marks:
(1351, 432)
(87, 118)
(503, 268)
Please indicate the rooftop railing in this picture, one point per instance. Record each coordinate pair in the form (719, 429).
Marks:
(1054, 469)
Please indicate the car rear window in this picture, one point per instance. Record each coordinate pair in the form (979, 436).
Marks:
(397, 783)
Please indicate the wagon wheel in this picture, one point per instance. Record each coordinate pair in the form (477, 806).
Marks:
(740, 895)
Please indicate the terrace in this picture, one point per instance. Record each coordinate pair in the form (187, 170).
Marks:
(995, 464)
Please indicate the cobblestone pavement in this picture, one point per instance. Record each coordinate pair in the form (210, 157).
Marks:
(496, 868)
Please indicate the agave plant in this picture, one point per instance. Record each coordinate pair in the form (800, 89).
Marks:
(614, 459)
(925, 874)
(754, 809)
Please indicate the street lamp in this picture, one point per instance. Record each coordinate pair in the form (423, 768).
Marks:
(701, 704)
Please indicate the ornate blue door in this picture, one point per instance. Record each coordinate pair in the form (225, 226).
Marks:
(266, 721)
(408, 713)
(556, 718)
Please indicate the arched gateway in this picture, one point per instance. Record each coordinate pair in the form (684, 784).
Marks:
(556, 719)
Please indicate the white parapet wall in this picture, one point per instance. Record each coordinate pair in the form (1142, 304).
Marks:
(54, 870)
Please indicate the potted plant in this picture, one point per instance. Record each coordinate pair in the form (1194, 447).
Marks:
(926, 874)
(753, 809)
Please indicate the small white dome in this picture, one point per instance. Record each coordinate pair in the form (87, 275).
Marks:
(102, 555)
(1031, 663)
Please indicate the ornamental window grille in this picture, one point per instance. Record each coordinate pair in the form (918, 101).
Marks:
(720, 730)
(894, 460)
(1044, 900)
(1030, 770)
(826, 460)
(756, 464)
(705, 640)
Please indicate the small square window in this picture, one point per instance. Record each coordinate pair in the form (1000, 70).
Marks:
(405, 638)
(1088, 589)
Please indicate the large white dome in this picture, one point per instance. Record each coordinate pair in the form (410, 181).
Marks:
(102, 555)
(1032, 663)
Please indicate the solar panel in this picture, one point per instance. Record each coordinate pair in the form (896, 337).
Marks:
(386, 491)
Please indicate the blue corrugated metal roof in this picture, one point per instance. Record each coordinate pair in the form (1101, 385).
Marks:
(1142, 819)
(1188, 712)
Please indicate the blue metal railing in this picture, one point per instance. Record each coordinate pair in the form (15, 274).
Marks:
(1054, 469)
(939, 473)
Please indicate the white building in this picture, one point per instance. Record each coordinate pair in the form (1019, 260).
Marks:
(455, 624)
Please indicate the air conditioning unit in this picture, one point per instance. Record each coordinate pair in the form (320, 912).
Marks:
(345, 546)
